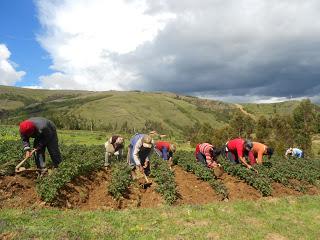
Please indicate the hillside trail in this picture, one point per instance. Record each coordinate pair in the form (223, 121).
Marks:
(240, 107)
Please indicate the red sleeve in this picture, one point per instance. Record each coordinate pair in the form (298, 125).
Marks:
(252, 158)
(240, 149)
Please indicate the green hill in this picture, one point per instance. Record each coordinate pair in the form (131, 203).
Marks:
(131, 110)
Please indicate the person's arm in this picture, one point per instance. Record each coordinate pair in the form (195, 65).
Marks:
(136, 150)
(25, 142)
(26, 145)
(164, 153)
(210, 161)
(260, 157)
(242, 158)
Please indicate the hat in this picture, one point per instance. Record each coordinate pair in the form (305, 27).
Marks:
(173, 147)
(147, 141)
(27, 128)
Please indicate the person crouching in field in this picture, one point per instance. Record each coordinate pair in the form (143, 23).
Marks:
(114, 147)
(259, 150)
(207, 154)
(294, 152)
(165, 150)
(139, 150)
(237, 149)
(45, 136)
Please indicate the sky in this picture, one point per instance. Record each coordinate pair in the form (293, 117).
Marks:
(231, 50)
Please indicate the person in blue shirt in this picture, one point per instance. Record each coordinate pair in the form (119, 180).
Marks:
(294, 152)
(139, 150)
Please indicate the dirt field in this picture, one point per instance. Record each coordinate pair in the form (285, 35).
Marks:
(90, 193)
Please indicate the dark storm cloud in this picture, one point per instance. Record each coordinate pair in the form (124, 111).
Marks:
(237, 48)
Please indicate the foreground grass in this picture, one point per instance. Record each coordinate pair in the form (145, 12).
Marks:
(288, 218)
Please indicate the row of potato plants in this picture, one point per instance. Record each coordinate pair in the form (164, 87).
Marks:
(259, 181)
(78, 160)
(164, 178)
(120, 180)
(11, 154)
(187, 161)
(284, 170)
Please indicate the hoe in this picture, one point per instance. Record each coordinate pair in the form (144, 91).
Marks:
(20, 169)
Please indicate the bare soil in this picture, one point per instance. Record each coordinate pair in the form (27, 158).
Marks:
(90, 192)
(193, 190)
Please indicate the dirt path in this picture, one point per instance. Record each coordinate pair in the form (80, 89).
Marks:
(238, 189)
(240, 107)
(192, 190)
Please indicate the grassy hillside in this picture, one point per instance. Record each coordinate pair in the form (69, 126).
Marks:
(168, 111)
(269, 109)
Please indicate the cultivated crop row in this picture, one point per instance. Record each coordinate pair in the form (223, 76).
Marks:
(187, 161)
(164, 178)
(80, 160)
(120, 180)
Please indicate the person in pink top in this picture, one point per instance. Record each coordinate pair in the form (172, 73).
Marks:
(207, 154)
(237, 149)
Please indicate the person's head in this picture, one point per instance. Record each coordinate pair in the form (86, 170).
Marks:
(173, 147)
(216, 152)
(248, 145)
(27, 128)
(120, 141)
(147, 141)
(269, 152)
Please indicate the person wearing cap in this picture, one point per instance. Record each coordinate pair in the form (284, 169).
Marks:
(45, 136)
(207, 154)
(165, 150)
(294, 152)
(114, 147)
(139, 150)
(259, 150)
(237, 149)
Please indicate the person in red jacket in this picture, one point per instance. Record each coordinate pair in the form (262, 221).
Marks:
(207, 154)
(165, 150)
(45, 137)
(237, 149)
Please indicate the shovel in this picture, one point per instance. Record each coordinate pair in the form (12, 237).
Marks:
(20, 169)
(145, 183)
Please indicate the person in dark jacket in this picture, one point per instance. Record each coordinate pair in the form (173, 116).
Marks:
(45, 136)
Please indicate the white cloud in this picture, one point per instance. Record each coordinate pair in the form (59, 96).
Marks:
(8, 74)
(237, 50)
(81, 37)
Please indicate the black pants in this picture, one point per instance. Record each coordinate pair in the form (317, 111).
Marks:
(53, 149)
(201, 158)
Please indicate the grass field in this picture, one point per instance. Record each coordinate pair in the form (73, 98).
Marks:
(287, 218)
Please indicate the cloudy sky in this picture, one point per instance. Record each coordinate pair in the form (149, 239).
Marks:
(233, 50)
